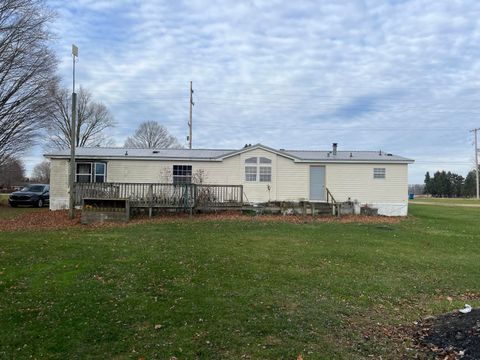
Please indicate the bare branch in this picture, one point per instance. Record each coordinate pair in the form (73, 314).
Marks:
(93, 118)
(152, 135)
(27, 71)
(41, 172)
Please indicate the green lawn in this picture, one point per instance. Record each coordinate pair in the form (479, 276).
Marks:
(6, 212)
(3, 199)
(229, 289)
(469, 201)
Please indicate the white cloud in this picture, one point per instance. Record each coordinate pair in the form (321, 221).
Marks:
(290, 74)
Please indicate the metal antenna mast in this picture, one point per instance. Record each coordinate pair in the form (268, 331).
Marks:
(71, 179)
(190, 125)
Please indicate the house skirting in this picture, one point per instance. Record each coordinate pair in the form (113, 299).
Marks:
(58, 203)
(390, 209)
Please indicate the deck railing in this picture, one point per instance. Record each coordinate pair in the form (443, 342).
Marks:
(331, 200)
(163, 195)
(214, 196)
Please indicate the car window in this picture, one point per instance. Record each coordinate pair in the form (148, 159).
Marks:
(33, 188)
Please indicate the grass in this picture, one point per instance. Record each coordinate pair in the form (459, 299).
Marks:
(3, 199)
(229, 289)
(469, 201)
(6, 212)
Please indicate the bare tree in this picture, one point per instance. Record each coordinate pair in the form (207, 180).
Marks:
(12, 172)
(27, 71)
(93, 118)
(41, 172)
(152, 135)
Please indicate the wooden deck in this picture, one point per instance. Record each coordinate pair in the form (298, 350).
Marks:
(168, 196)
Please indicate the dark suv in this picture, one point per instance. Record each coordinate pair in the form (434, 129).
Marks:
(34, 195)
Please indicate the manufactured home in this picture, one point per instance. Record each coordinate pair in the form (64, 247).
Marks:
(374, 178)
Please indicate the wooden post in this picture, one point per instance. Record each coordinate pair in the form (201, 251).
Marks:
(304, 208)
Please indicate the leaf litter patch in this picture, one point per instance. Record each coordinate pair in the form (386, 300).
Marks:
(56, 220)
(451, 336)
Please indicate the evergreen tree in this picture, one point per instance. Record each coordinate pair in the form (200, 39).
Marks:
(428, 184)
(470, 188)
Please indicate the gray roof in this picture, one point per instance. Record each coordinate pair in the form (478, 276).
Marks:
(125, 153)
(346, 155)
(220, 154)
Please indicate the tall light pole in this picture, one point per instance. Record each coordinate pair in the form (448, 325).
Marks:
(71, 182)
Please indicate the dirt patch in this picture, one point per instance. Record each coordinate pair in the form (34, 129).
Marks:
(451, 336)
(54, 220)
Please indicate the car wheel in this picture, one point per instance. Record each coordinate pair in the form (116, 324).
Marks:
(13, 205)
(40, 203)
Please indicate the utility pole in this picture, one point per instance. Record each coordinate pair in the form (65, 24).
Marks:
(190, 125)
(71, 179)
(476, 159)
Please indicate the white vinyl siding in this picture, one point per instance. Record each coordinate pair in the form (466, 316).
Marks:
(355, 181)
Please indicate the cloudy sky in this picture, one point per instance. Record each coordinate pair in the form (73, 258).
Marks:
(401, 76)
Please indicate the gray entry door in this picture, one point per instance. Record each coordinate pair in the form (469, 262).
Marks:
(317, 183)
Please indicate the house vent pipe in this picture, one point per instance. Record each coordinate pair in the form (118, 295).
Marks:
(334, 147)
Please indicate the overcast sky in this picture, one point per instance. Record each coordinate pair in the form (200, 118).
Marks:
(401, 76)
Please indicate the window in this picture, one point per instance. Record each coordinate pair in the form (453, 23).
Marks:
(250, 173)
(182, 174)
(379, 173)
(100, 172)
(84, 172)
(255, 172)
(265, 173)
(88, 172)
(35, 188)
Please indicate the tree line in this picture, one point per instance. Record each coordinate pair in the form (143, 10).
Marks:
(449, 184)
(34, 104)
